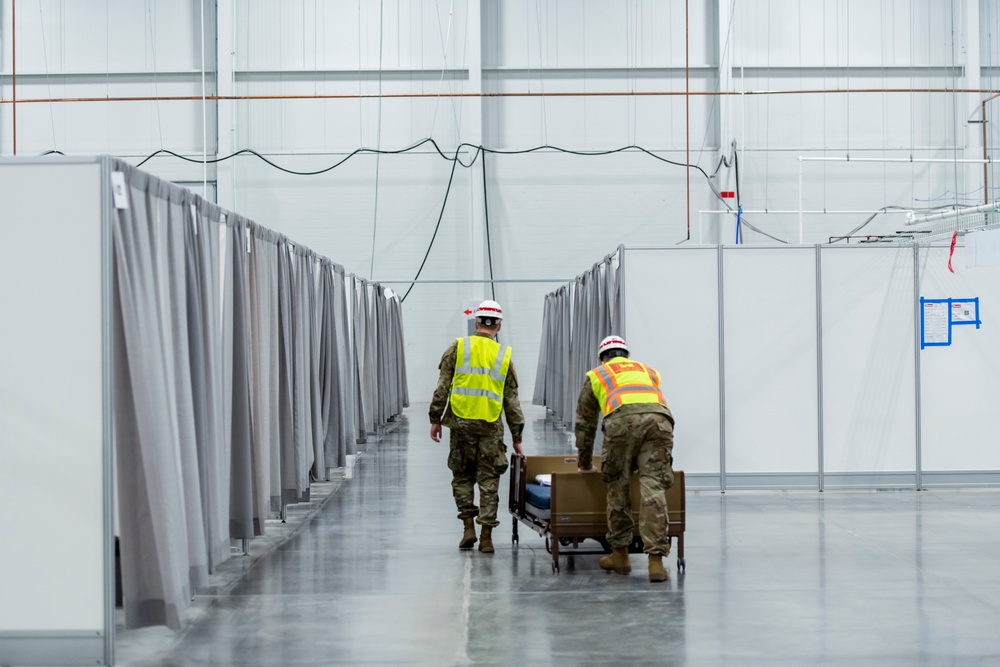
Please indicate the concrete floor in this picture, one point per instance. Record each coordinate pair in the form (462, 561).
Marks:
(772, 578)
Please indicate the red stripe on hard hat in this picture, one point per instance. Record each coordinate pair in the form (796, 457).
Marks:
(493, 310)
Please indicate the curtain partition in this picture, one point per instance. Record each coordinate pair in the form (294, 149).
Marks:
(381, 367)
(245, 367)
(576, 317)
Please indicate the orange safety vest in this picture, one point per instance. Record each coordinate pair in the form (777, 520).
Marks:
(622, 382)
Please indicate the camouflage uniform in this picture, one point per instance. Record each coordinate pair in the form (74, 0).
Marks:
(636, 437)
(477, 453)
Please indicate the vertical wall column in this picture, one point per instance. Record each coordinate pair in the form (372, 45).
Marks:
(473, 134)
(225, 64)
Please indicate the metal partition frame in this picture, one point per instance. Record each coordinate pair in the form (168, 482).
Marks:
(871, 377)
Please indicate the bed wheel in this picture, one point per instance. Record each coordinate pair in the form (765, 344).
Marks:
(680, 565)
(513, 538)
(555, 566)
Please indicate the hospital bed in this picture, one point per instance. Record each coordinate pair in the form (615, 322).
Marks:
(574, 507)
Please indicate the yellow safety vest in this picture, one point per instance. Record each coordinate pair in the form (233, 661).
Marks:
(622, 382)
(480, 372)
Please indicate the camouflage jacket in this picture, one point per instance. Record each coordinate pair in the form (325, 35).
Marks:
(588, 413)
(440, 410)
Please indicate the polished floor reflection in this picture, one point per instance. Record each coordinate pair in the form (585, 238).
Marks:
(841, 578)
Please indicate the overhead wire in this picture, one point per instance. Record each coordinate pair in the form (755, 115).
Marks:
(437, 149)
(489, 247)
(456, 160)
(437, 227)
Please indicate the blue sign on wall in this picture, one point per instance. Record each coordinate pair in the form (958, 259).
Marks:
(938, 316)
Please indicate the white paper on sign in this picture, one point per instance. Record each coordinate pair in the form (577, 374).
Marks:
(936, 323)
(963, 311)
(118, 189)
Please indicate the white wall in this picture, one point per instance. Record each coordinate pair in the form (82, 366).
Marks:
(379, 74)
(819, 365)
(55, 558)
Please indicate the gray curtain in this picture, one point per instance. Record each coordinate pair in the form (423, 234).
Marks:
(293, 488)
(263, 286)
(243, 363)
(153, 505)
(347, 421)
(337, 380)
(173, 214)
(397, 345)
(364, 342)
(302, 375)
(244, 522)
(204, 271)
(316, 316)
(576, 317)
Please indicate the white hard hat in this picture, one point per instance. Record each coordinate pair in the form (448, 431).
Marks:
(489, 309)
(611, 343)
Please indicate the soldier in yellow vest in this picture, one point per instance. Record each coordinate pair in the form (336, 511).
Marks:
(638, 435)
(476, 383)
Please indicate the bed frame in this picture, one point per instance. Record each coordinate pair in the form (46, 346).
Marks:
(578, 509)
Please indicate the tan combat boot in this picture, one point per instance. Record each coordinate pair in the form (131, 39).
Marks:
(469, 536)
(656, 570)
(486, 540)
(617, 561)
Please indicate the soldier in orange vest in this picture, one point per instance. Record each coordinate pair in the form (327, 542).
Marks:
(638, 436)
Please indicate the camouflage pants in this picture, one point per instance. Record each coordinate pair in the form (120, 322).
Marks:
(477, 459)
(644, 443)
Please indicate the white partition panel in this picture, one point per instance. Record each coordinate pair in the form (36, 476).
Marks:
(819, 376)
(672, 323)
(868, 364)
(960, 383)
(769, 297)
(54, 465)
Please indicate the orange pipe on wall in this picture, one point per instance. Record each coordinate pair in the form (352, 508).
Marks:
(355, 96)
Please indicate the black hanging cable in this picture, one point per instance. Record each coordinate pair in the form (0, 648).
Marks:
(456, 160)
(437, 149)
(489, 249)
(447, 191)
